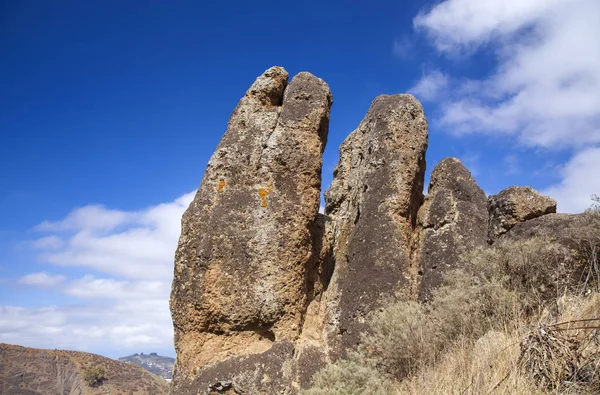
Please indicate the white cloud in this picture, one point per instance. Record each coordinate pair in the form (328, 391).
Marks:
(48, 242)
(137, 324)
(580, 181)
(42, 279)
(92, 217)
(127, 307)
(106, 288)
(137, 245)
(430, 86)
(459, 24)
(545, 89)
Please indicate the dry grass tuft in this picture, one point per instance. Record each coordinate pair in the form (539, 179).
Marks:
(549, 357)
(565, 356)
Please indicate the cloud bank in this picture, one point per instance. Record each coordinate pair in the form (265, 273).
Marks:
(121, 305)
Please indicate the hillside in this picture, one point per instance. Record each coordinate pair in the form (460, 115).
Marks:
(154, 363)
(32, 371)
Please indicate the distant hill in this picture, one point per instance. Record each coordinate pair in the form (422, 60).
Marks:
(32, 371)
(154, 363)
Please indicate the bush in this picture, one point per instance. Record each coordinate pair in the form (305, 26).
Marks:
(94, 375)
(350, 377)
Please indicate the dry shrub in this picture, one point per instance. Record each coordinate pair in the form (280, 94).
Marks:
(538, 270)
(585, 240)
(565, 355)
(407, 336)
(350, 377)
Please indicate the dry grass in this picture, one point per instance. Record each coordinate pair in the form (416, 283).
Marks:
(565, 355)
(538, 359)
(484, 367)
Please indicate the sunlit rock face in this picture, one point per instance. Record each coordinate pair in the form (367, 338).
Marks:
(240, 284)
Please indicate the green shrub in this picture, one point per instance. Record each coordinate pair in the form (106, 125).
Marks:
(94, 375)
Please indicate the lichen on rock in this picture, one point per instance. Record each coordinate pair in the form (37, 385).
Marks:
(239, 283)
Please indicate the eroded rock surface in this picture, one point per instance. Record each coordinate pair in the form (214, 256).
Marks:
(516, 204)
(240, 288)
(372, 204)
(452, 221)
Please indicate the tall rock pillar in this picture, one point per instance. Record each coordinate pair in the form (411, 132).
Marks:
(372, 207)
(239, 290)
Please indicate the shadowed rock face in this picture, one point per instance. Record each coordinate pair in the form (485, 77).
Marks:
(516, 204)
(240, 284)
(372, 204)
(452, 221)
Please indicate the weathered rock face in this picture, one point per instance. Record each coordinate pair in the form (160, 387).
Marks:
(372, 205)
(516, 204)
(241, 285)
(452, 221)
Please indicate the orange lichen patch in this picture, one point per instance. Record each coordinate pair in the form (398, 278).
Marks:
(221, 186)
(263, 193)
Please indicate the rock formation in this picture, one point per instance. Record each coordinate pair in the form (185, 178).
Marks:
(451, 221)
(32, 371)
(516, 204)
(240, 288)
(266, 291)
(373, 202)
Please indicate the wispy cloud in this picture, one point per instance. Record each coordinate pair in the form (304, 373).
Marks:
(431, 86)
(402, 48)
(42, 279)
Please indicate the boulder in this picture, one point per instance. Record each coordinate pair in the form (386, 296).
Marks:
(372, 206)
(247, 240)
(516, 204)
(451, 221)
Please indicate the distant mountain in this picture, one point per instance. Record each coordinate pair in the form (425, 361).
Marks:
(33, 371)
(154, 363)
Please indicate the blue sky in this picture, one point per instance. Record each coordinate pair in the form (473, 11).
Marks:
(109, 112)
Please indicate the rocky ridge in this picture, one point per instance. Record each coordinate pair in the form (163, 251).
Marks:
(266, 290)
(32, 371)
(154, 363)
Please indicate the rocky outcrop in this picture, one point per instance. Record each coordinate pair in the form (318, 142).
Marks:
(516, 204)
(266, 291)
(32, 371)
(372, 205)
(241, 286)
(452, 221)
